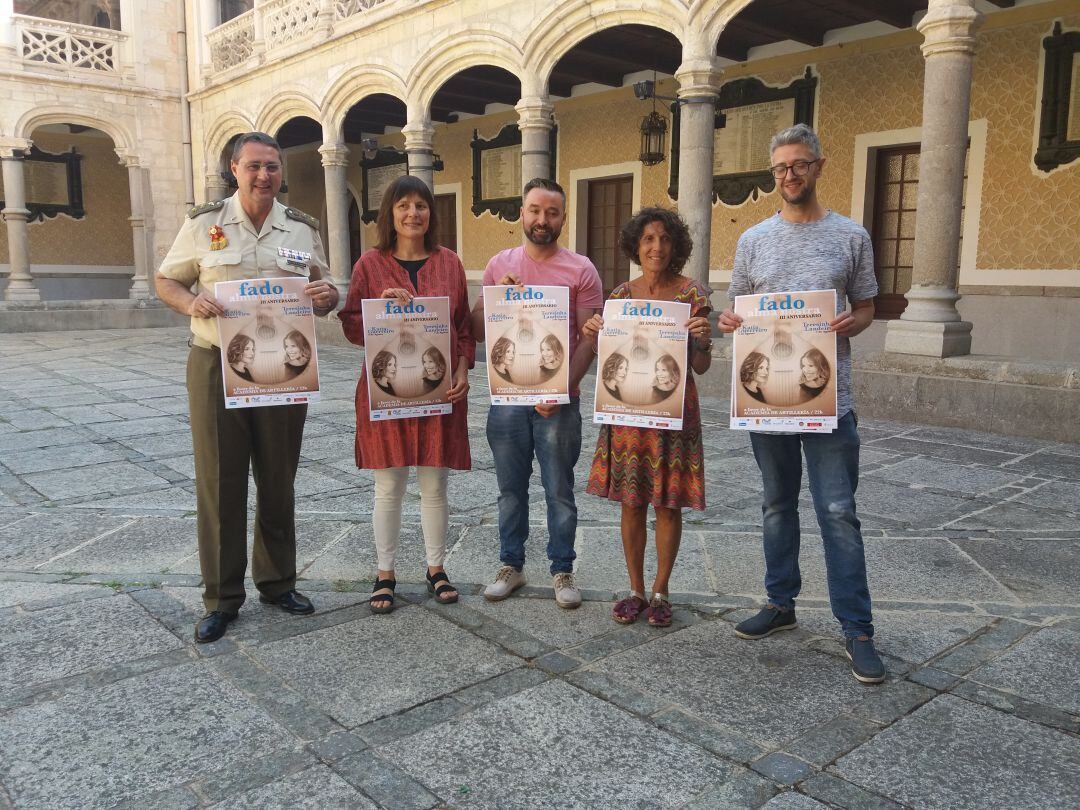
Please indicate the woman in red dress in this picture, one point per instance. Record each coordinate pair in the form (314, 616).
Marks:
(642, 466)
(408, 262)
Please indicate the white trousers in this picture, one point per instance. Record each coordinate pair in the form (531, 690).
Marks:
(434, 512)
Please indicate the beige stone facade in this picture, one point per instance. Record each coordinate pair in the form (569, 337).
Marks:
(316, 59)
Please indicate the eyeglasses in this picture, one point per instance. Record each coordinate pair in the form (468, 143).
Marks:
(799, 168)
(255, 168)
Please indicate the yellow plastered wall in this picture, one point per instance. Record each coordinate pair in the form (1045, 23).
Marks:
(103, 236)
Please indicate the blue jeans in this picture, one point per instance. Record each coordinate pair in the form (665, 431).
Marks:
(515, 432)
(832, 465)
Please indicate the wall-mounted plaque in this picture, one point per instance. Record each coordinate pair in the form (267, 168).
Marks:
(1059, 124)
(379, 172)
(748, 114)
(497, 180)
(53, 184)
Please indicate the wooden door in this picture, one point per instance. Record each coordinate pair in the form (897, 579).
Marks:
(610, 204)
(446, 211)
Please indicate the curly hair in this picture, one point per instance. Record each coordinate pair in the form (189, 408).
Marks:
(301, 342)
(750, 366)
(379, 364)
(499, 349)
(611, 366)
(236, 347)
(682, 244)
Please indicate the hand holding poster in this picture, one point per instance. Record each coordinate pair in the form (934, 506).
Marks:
(642, 366)
(527, 330)
(408, 357)
(783, 370)
(267, 339)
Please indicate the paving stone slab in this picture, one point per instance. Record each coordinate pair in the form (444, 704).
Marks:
(475, 752)
(50, 437)
(793, 801)
(145, 544)
(952, 753)
(147, 733)
(35, 419)
(1035, 570)
(1050, 464)
(1013, 515)
(706, 669)
(111, 478)
(1042, 667)
(352, 557)
(58, 458)
(379, 665)
(29, 593)
(546, 621)
(174, 500)
(951, 452)
(600, 562)
(46, 645)
(1056, 495)
(314, 789)
(36, 539)
(142, 427)
(475, 556)
(946, 476)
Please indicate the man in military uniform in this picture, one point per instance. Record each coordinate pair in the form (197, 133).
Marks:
(249, 235)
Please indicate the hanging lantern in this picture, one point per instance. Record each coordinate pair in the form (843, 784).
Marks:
(653, 138)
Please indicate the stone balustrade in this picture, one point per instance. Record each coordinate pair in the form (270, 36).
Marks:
(232, 43)
(68, 45)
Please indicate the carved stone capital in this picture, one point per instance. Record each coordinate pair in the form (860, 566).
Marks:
(949, 27)
(128, 158)
(534, 113)
(334, 154)
(419, 136)
(14, 148)
(699, 79)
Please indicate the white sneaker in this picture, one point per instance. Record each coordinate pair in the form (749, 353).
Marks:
(508, 580)
(567, 594)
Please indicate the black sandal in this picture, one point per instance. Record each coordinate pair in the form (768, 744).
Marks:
(438, 584)
(386, 598)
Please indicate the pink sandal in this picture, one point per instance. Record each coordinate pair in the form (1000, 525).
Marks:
(627, 611)
(659, 612)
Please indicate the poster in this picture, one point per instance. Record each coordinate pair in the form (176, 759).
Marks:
(527, 337)
(408, 357)
(500, 172)
(742, 144)
(642, 364)
(783, 370)
(267, 339)
(379, 179)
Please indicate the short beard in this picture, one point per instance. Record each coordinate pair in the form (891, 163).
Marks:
(552, 235)
(800, 198)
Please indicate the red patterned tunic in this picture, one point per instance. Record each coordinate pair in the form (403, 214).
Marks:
(430, 441)
(639, 466)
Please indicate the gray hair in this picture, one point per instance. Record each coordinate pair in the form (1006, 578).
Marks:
(800, 133)
(253, 137)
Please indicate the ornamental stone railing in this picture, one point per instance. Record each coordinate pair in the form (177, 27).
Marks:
(285, 21)
(233, 43)
(68, 45)
(347, 8)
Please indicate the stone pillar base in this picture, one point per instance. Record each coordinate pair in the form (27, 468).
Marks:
(928, 339)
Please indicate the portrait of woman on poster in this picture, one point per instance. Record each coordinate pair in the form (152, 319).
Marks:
(240, 355)
(434, 368)
(666, 379)
(384, 370)
(297, 353)
(551, 357)
(502, 357)
(814, 374)
(639, 467)
(614, 374)
(753, 373)
(406, 262)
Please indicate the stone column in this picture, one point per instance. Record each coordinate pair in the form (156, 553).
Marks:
(8, 46)
(335, 161)
(419, 136)
(931, 324)
(216, 188)
(534, 121)
(21, 286)
(258, 43)
(699, 84)
(140, 282)
(209, 15)
(326, 18)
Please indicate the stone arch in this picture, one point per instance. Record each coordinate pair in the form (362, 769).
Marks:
(571, 21)
(457, 51)
(286, 105)
(121, 135)
(710, 18)
(352, 86)
(218, 134)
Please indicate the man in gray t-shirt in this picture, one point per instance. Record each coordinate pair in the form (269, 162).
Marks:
(808, 247)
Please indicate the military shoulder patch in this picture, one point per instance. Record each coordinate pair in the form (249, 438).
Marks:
(204, 208)
(300, 216)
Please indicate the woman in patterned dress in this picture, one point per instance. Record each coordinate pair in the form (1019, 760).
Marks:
(408, 262)
(642, 466)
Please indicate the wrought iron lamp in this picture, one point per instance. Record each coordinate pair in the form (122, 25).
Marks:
(653, 126)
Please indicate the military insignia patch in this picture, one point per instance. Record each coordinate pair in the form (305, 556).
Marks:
(217, 237)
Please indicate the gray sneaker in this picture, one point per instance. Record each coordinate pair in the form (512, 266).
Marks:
(508, 580)
(567, 594)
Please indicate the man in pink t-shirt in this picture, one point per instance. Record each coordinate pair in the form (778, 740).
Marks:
(551, 432)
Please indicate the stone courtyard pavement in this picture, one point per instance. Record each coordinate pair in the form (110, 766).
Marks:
(972, 543)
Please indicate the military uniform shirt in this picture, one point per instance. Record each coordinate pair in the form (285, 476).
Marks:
(246, 253)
